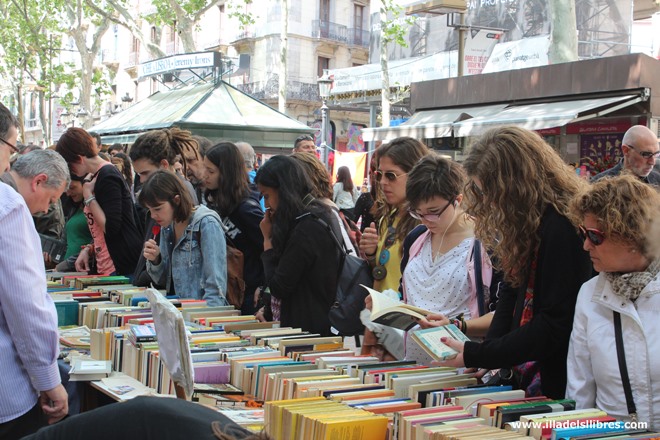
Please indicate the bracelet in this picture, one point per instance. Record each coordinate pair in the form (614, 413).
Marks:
(87, 202)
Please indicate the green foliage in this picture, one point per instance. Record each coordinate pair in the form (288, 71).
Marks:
(395, 28)
(238, 9)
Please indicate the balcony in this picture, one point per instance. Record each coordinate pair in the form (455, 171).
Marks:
(296, 90)
(328, 30)
(358, 37)
(133, 59)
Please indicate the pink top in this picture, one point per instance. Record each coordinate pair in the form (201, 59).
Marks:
(104, 264)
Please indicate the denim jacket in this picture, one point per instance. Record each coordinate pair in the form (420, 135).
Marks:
(198, 260)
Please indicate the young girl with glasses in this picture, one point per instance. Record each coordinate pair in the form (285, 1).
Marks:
(191, 258)
(436, 275)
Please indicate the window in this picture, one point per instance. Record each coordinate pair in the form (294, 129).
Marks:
(324, 10)
(358, 17)
(323, 64)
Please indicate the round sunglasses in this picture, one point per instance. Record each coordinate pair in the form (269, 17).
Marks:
(594, 235)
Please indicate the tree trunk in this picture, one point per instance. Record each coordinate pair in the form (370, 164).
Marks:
(564, 46)
(385, 90)
(284, 42)
(19, 109)
(184, 27)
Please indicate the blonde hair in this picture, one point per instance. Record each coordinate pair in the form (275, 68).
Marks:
(317, 173)
(625, 208)
(520, 176)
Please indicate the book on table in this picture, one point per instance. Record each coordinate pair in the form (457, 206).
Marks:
(84, 369)
(429, 340)
(392, 313)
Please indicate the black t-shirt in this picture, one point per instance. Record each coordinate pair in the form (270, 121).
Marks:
(122, 235)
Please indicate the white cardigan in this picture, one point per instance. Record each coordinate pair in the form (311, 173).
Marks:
(594, 379)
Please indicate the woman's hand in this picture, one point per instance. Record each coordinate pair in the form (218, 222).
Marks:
(368, 302)
(151, 250)
(82, 262)
(458, 361)
(369, 240)
(266, 227)
(88, 186)
(433, 320)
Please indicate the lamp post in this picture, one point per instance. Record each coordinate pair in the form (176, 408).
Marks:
(325, 85)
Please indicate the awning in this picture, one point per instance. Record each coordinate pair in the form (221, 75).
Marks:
(216, 111)
(545, 115)
(429, 124)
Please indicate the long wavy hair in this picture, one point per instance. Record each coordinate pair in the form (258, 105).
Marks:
(286, 175)
(404, 152)
(520, 177)
(157, 145)
(317, 172)
(233, 183)
(344, 176)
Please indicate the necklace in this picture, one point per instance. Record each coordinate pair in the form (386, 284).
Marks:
(380, 271)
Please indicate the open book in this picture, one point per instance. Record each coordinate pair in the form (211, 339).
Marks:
(386, 311)
(429, 340)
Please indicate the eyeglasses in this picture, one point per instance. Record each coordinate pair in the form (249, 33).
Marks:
(431, 216)
(646, 154)
(12, 146)
(389, 175)
(594, 235)
(478, 191)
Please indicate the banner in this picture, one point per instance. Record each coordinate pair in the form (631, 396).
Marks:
(528, 52)
(478, 46)
(356, 163)
(57, 125)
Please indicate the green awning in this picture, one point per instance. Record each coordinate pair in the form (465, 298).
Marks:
(216, 111)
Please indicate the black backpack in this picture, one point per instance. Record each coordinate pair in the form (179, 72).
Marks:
(344, 314)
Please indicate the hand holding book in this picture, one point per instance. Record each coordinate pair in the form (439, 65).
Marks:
(445, 344)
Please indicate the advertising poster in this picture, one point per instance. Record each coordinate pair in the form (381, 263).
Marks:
(599, 152)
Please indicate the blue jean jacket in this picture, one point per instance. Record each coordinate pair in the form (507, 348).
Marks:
(198, 260)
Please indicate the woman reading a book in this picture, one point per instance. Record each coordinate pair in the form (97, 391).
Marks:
(614, 219)
(519, 193)
(382, 243)
(229, 194)
(191, 258)
(301, 260)
(108, 206)
(435, 277)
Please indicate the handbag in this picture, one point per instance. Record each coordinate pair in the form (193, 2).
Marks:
(344, 314)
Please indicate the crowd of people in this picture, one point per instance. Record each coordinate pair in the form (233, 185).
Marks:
(545, 271)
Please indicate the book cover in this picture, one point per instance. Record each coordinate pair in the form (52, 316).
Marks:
(429, 340)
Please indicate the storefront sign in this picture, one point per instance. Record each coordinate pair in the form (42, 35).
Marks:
(179, 62)
(620, 126)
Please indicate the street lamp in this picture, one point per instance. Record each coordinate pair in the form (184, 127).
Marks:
(325, 85)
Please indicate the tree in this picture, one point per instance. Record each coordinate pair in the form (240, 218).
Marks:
(564, 47)
(393, 29)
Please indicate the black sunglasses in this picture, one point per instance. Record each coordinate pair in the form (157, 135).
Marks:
(594, 235)
(12, 146)
(646, 154)
(389, 175)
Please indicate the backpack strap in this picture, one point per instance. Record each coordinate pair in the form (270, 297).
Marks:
(478, 276)
(623, 367)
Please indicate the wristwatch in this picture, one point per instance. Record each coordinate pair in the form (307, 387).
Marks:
(87, 202)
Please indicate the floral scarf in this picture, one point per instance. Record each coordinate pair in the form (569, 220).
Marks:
(630, 285)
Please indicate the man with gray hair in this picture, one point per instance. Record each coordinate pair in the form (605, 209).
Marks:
(640, 151)
(40, 177)
(249, 157)
(31, 392)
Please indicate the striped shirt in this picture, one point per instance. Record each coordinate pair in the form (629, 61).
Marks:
(28, 320)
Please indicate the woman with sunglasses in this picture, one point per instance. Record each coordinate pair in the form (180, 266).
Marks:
(614, 218)
(519, 194)
(382, 243)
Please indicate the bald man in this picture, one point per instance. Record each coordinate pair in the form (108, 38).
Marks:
(640, 151)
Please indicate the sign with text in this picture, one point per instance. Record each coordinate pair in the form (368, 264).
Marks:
(179, 62)
(528, 52)
(478, 46)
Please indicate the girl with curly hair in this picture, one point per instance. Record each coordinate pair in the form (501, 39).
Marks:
(519, 195)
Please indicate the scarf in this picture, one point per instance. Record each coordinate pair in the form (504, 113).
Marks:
(630, 285)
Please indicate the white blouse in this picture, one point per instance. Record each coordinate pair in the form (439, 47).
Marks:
(439, 285)
(344, 199)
